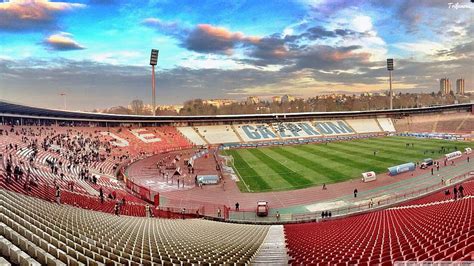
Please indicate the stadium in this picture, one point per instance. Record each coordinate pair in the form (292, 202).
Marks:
(236, 132)
(86, 188)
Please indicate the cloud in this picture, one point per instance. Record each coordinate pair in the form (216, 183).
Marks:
(171, 28)
(362, 23)
(202, 38)
(315, 69)
(96, 85)
(411, 14)
(62, 42)
(122, 57)
(271, 50)
(103, 2)
(31, 15)
(207, 38)
(324, 57)
(463, 50)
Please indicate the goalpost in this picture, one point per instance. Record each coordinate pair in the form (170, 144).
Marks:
(229, 161)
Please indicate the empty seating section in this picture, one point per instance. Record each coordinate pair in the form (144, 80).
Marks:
(256, 132)
(364, 125)
(151, 139)
(450, 122)
(287, 130)
(458, 122)
(218, 134)
(301, 129)
(467, 125)
(424, 123)
(386, 124)
(442, 196)
(53, 234)
(251, 132)
(430, 233)
(401, 124)
(192, 135)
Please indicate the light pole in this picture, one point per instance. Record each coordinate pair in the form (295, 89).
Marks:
(390, 69)
(64, 99)
(153, 63)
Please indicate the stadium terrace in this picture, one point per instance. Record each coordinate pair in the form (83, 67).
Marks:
(338, 188)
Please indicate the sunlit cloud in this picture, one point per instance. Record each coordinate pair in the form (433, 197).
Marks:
(62, 42)
(27, 15)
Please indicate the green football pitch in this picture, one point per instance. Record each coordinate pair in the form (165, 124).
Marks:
(300, 166)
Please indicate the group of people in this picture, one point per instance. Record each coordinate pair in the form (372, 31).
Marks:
(326, 214)
(458, 192)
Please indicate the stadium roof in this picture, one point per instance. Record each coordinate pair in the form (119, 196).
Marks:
(9, 109)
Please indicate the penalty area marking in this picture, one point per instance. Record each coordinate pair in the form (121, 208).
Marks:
(240, 178)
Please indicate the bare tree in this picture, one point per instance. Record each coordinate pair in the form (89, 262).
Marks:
(120, 110)
(137, 107)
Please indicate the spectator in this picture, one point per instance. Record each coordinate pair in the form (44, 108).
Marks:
(455, 193)
(101, 195)
(117, 209)
(237, 205)
(461, 191)
(218, 212)
(58, 195)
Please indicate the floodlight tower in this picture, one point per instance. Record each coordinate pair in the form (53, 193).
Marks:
(390, 69)
(153, 63)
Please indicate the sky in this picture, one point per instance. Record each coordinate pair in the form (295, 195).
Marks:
(97, 51)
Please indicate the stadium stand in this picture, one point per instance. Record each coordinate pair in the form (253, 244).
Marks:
(450, 122)
(218, 134)
(466, 124)
(364, 125)
(255, 132)
(453, 122)
(386, 124)
(44, 160)
(442, 231)
(82, 230)
(192, 135)
(54, 234)
(293, 130)
(442, 195)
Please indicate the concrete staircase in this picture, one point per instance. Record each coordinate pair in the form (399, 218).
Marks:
(273, 249)
(435, 125)
(237, 133)
(88, 187)
(463, 121)
(202, 136)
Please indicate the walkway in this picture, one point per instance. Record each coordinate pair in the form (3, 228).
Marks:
(273, 249)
